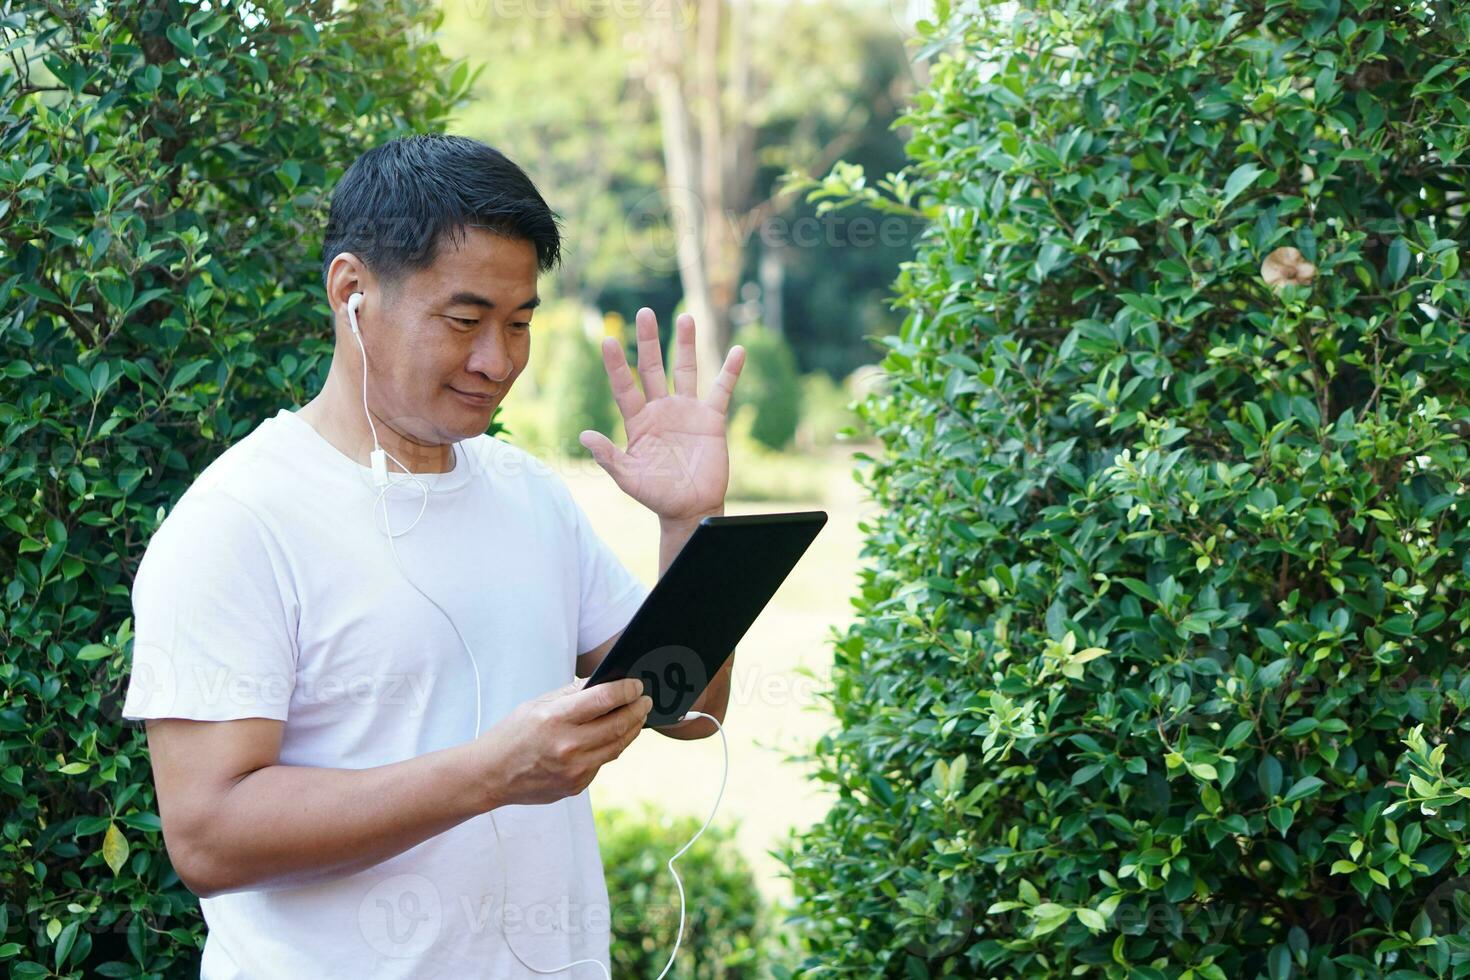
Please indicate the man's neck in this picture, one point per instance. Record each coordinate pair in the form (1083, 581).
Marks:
(337, 414)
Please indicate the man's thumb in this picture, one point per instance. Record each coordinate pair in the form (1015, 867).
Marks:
(600, 446)
(572, 687)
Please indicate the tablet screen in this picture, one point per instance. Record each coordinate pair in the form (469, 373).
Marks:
(705, 602)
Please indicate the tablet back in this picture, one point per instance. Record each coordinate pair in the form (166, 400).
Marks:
(719, 582)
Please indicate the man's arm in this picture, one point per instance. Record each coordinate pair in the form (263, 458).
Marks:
(715, 698)
(233, 818)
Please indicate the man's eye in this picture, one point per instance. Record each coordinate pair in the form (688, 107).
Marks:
(457, 319)
(527, 325)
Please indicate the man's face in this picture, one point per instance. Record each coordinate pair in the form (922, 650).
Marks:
(462, 325)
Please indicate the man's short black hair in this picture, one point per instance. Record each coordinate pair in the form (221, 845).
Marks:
(397, 200)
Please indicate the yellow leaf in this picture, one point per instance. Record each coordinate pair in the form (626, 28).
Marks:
(114, 848)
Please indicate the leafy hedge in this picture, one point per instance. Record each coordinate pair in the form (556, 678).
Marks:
(164, 175)
(724, 919)
(1161, 666)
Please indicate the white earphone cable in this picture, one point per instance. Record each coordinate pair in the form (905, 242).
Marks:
(474, 664)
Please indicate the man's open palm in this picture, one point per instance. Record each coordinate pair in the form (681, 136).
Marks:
(677, 463)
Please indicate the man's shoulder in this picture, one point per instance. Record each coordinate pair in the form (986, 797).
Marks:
(241, 479)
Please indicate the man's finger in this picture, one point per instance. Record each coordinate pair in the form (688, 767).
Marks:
(686, 374)
(612, 732)
(594, 702)
(650, 356)
(614, 740)
(720, 391)
(620, 376)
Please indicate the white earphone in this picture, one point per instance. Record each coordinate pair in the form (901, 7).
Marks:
(379, 454)
(380, 457)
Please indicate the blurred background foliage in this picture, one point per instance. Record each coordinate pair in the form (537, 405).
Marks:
(164, 186)
(726, 935)
(665, 134)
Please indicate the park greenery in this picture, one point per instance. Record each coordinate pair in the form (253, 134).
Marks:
(166, 174)
(1160, 664)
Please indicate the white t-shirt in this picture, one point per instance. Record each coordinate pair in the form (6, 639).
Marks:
(270, 592)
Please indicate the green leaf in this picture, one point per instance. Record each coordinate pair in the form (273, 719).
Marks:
(1398, 260)
(1048, 258)
(1203, 770)
(1240, 178)
(1278, 962)
(1268, 774)
(1300, 727)
(1256, 416)
(78, 379)
(179, 35)
(94, 651)
(64, 943)
(1141, 589)
(1303, 788)
(114, 848)
(187, 373)
(1048, 917)
(1239, 733)
(1029, 894)
(289, 174)
(882, 790)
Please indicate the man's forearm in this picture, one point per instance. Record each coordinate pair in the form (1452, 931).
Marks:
(714, 700)
(285, 826)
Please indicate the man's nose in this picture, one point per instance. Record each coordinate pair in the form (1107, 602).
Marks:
(490, 356)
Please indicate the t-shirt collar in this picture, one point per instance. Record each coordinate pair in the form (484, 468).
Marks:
(457, 476)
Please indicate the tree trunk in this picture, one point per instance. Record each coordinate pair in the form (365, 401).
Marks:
(707, 164)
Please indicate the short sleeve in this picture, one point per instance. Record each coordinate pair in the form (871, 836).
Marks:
(214, 617)
(610, 593)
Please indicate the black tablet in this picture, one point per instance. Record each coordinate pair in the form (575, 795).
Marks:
(713, 590)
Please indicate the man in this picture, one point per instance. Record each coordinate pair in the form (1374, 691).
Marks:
(311, 713)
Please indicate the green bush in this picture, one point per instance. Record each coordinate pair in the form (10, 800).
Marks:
(761, 474)
(1160, 666)
(723, 918)
(163, 166)
(768, 381)
(824, 411)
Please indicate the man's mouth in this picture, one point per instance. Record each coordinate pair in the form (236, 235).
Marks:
(478, 398)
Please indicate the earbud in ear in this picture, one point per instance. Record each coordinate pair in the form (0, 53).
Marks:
(353, 302)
